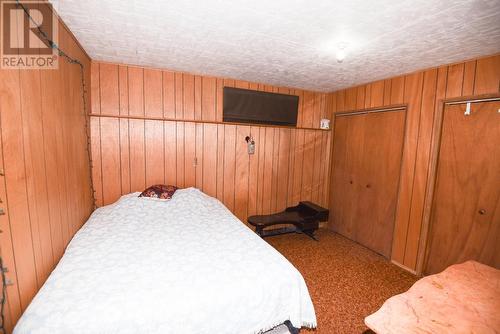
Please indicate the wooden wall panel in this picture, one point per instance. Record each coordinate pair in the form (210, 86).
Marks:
(110, 158)
(108, 80)
(214, 158)
(282, 172)
(95, 89)
(165, 127)
(170, 137)
(35, 163)
(377, 94)
(188, 96)
(209, 181)
(455, 80)
(51, 109)
(95, 147)
(124, 156)
(308, 165)
(397, 90)
(241, 178)
(291, 170)
(137, 156)
(274, 168)
(261, 153)
(15, 176)
(487, 79)
(198, 157)
(429, 93)
(197, 98)
(180, 157)
(220, 161)
(317, 157)
(327, 173)
(208, 96)
(413, 98)
(469, 76)
(387, 91)
(253, 173)
(155, 150)
(298, 165)
(45, 188)
(153, 93)
(189, 155)
(422, 92)
(12, 308)
(229, 165)
(135, 91)
(169, 95)
(268, 146)
(122, 89)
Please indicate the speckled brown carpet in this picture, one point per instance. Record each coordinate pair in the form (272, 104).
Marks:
(346, 281)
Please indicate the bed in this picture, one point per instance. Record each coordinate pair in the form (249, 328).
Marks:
(186, 265)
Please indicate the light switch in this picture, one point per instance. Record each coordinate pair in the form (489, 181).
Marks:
(250, 145)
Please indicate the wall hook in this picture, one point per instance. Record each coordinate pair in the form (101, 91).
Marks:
(467, 109)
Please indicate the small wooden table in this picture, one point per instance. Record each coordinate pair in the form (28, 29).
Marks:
(465, 298)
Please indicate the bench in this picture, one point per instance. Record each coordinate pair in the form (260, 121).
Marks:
(302, 218)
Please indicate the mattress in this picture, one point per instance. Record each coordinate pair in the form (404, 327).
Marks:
(186, 265)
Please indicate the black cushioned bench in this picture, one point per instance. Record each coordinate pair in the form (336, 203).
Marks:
(303, 218)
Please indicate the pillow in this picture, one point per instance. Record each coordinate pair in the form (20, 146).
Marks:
(159, 191)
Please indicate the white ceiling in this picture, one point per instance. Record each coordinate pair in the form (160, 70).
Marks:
(285, 42)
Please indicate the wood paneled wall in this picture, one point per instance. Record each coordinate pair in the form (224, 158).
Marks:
(45, 190)
(422, 92)
(152, 126)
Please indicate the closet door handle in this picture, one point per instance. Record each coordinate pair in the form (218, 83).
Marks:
(482, 211)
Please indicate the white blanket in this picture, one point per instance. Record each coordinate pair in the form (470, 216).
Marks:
(187, 265)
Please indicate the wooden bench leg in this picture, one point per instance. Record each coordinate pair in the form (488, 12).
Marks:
(290, 327)
(310, 233)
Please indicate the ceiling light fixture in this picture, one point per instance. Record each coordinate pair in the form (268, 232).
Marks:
(341, 52)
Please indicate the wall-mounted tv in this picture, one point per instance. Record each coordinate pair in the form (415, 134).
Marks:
(251, 106)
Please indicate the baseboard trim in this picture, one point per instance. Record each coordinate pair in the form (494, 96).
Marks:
(402, 266)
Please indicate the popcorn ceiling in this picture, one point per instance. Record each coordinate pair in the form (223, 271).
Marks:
(286, 43)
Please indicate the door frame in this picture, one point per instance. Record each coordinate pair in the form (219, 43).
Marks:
(437, 131)
(389, 108)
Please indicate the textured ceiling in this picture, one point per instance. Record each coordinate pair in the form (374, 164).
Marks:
(285, 42)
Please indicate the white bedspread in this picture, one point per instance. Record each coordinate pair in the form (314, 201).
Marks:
(182, 266)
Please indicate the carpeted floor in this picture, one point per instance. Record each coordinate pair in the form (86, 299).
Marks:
(346, 281)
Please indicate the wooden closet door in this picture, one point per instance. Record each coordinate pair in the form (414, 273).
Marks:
(348, 154)
(465, 217)
(367, 163)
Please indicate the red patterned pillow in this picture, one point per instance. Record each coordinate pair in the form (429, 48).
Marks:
(159, 191)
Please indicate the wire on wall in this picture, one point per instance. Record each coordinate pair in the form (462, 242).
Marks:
(73, 61)
(3, 299)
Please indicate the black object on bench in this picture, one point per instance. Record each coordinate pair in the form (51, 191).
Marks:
(303, 218)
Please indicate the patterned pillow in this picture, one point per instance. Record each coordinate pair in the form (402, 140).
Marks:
(159, 191)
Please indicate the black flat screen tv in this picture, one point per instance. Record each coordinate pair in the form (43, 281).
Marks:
(251, 106)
